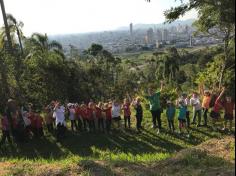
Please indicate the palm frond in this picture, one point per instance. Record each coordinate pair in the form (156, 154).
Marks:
(55, 45)
(11, 19)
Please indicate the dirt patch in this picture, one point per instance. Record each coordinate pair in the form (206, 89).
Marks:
(220, 148)
(212, 158)
(4, 166)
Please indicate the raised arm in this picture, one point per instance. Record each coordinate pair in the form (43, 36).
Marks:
(201, 89)
(162, 86)
(222, 93)
(129, 97)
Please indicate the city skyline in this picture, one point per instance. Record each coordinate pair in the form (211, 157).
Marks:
(78, 16)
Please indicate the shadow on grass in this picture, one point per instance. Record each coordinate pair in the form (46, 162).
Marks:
(44, 148)
(82, 144)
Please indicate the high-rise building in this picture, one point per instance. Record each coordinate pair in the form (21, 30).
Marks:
(165, 35)
(191, 41)
(159, 35)
(150, 36)
(131, 29)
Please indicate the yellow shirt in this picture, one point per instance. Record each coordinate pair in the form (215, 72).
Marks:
(206, 102)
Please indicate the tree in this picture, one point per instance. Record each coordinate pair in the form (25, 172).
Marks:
(216, 17)
(168, 65)
(16, 26)
(40, 46)
(6, 25)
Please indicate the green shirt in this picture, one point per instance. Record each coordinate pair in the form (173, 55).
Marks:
(154, 101)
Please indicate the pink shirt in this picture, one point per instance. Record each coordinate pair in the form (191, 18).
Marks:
(127, 111)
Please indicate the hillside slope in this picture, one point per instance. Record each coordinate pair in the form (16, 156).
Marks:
(214, 157)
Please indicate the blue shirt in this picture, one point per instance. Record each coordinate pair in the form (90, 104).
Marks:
(182, 113)
(170, 112)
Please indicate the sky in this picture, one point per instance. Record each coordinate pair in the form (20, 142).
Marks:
(80, 16)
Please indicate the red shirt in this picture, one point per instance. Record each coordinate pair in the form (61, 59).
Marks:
(98, 113)
(39, 122)
(5, 124)
(31, 117)
(14, 122)
(127, 111)
(218, 105)
(78, 112)
(86, 113)
(108, 113)
(229, 108)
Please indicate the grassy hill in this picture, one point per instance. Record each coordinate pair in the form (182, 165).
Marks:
(124, 152)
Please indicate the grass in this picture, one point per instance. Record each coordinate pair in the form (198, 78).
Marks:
(120, 147)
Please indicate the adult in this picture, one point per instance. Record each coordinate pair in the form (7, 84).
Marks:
(11, 110)
(155, 106)
(59, 111)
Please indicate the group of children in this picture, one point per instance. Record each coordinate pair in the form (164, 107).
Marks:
(93, 116)
(26, 123)
(209, 101)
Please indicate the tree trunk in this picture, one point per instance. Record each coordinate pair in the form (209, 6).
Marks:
(6, 25)
(5, 85)
(226, 47)
(20, 41)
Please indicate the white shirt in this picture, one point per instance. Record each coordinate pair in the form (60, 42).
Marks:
(26, 120)
(195, 102)
(60, 115)
(116, 111)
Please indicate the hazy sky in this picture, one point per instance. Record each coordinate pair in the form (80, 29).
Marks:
(78, 16)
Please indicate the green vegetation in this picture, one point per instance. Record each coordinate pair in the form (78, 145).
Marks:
(35, 69)
(101, 153)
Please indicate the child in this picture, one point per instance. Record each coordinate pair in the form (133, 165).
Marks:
(33, 119)
(99, 116)
(139, 113)
(229, 107)
(182, 116)
(5, 130)
(59, 111)
(127, 112)
(215, 113)
(39, 125)
(84, 114)
(197, 109)
(27, 123)
(71, 109)
(108, 111)
(79, 116)
(116, 110)
(170, 114)
(91, 112)
(49, 119)
(205, 103)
